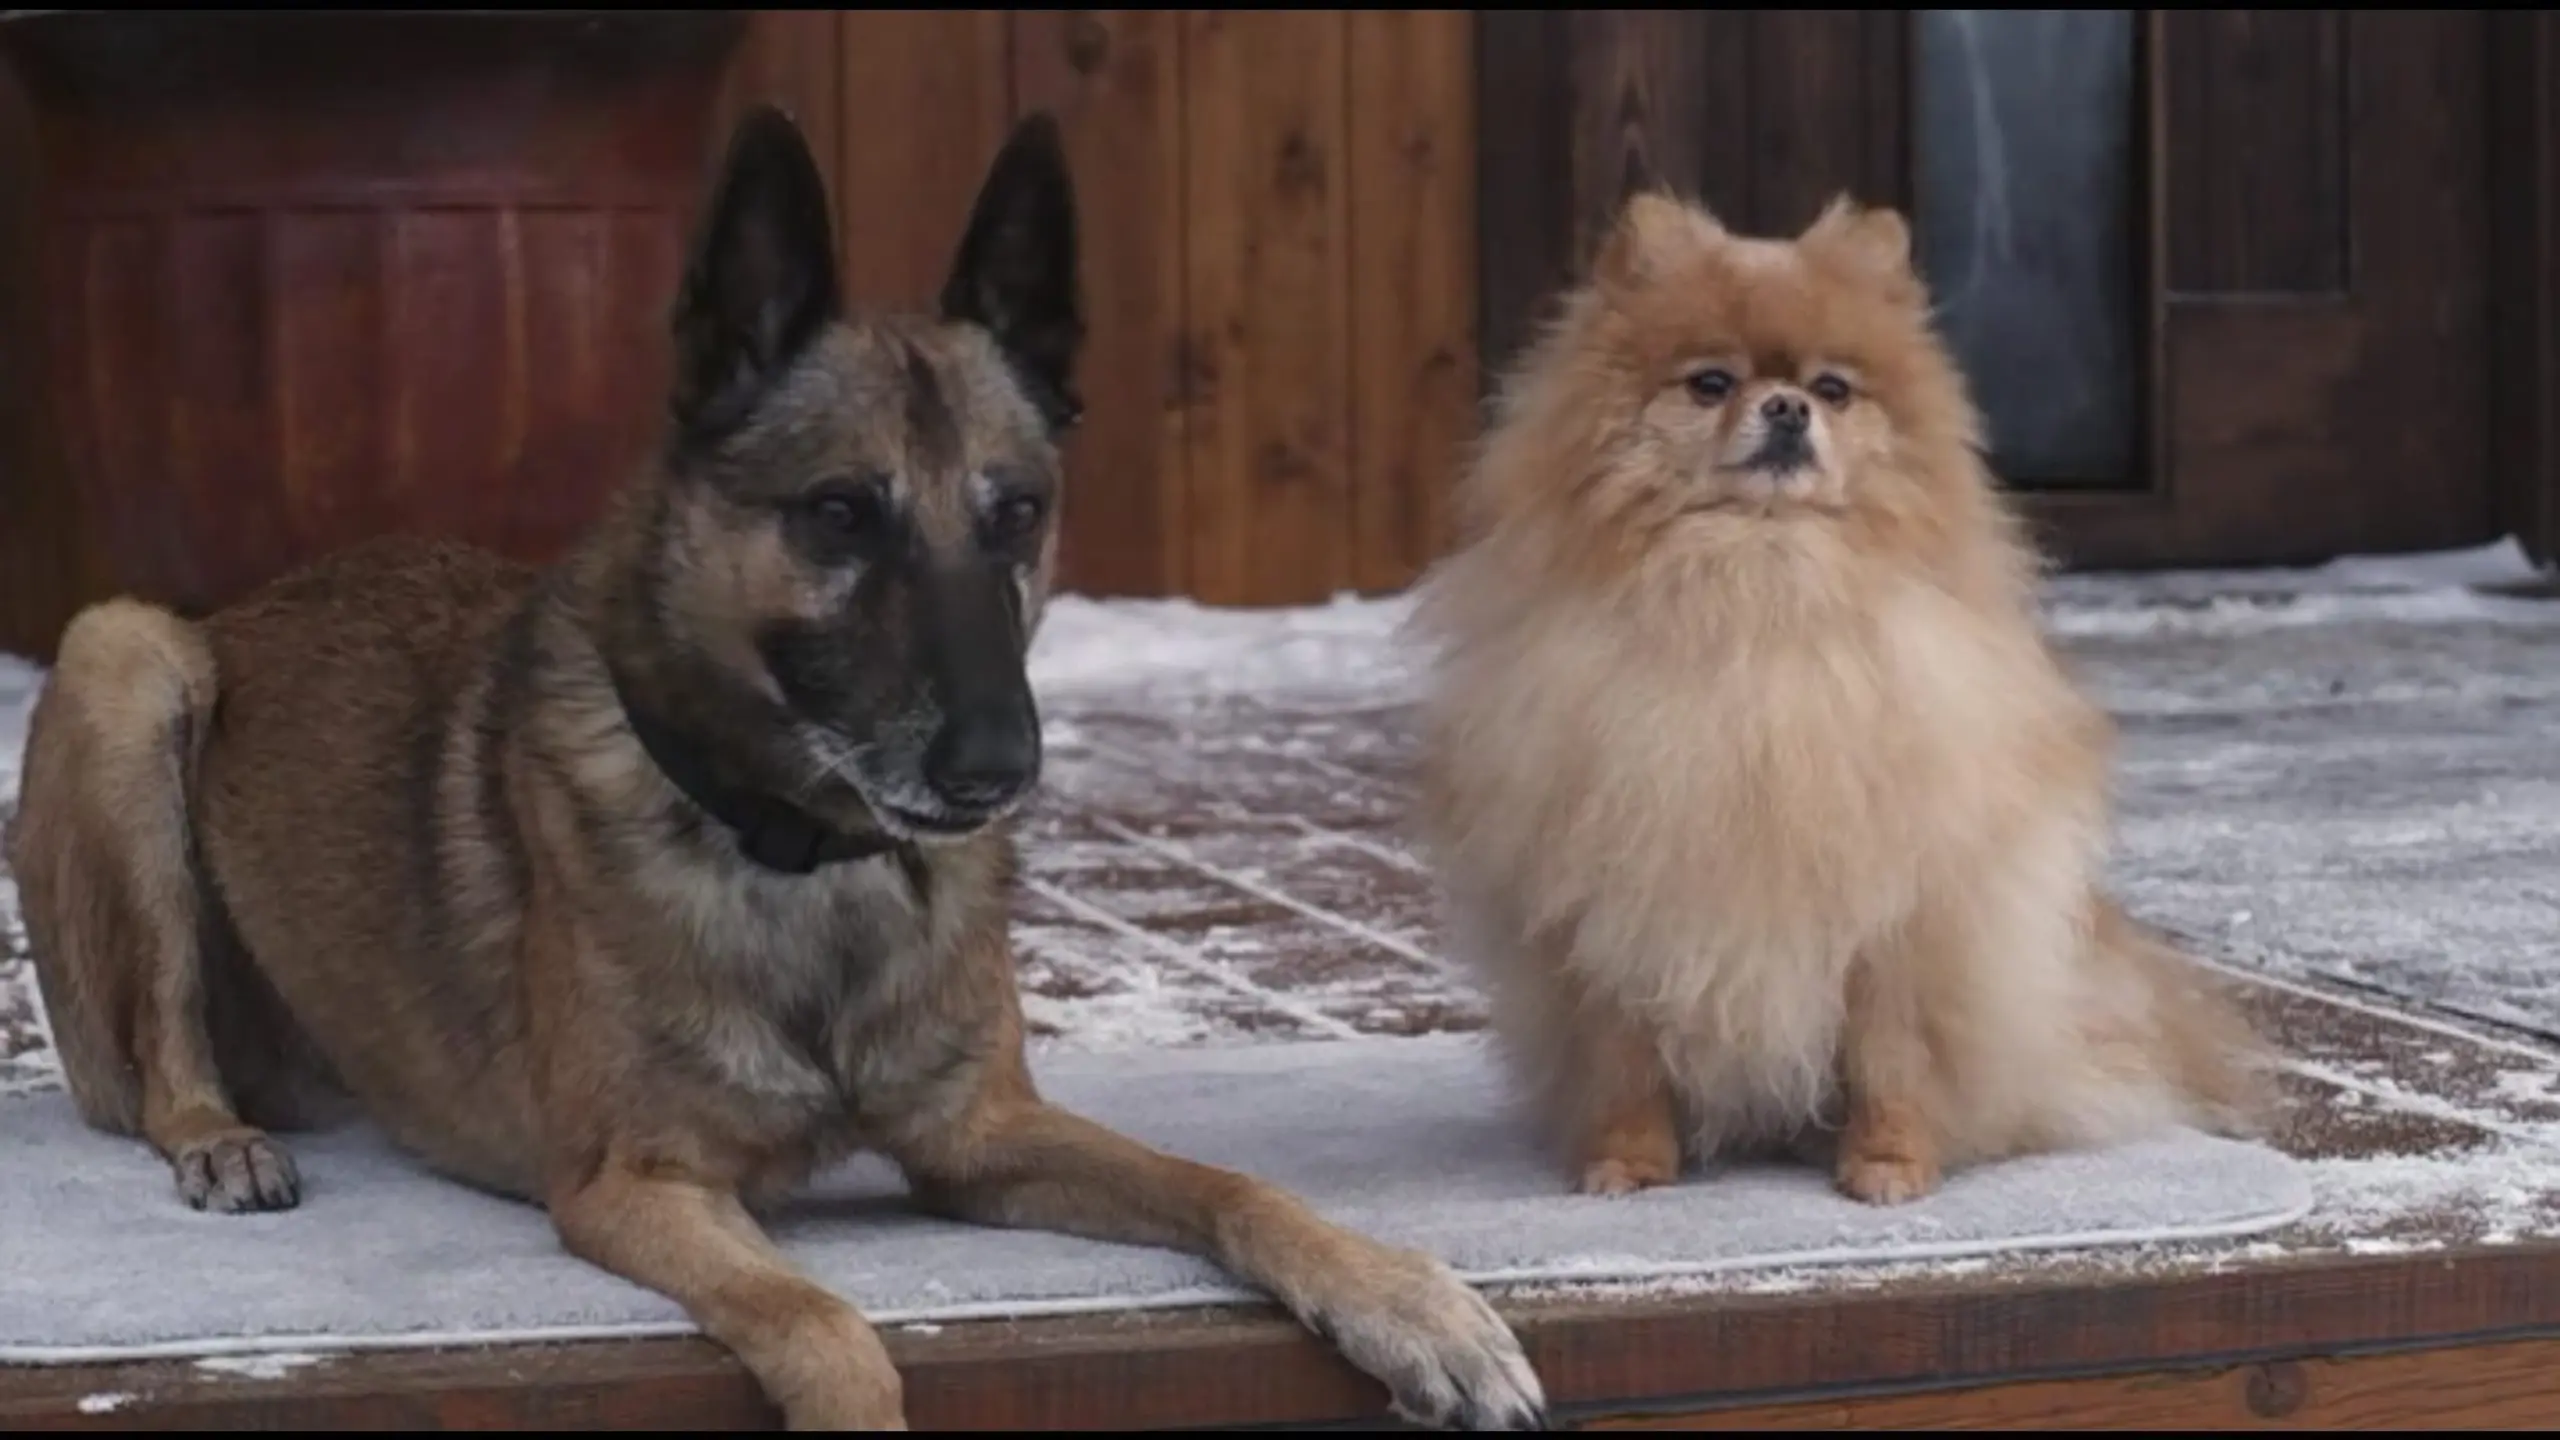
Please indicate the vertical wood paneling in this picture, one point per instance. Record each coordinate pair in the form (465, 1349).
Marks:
(1114, 80)
(1524, 174)
(1412, 276)
(926, 100)
(1645, 109)
(555, 329)
(47, 567)
(292, 301)
(451, 292)
(1762, 114)
(1279, 212)
(568, 345)
(1718, 64)
(1819, 110)
(118, 269)
(1268, 303)
(331, 360)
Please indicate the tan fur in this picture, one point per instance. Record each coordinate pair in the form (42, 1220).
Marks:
(385, 829)
(1757, 792)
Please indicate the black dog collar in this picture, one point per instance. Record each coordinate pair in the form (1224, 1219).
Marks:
(771, 831)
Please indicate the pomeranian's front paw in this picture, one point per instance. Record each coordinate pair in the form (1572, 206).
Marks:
(1625, 1175)
(1637, 1150)
(1887, 1179)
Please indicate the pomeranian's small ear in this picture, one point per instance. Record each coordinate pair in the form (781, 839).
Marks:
(1875, 239)
(1654, 231)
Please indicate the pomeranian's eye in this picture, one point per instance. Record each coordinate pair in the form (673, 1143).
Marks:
(1832, 390)
(1711, 387)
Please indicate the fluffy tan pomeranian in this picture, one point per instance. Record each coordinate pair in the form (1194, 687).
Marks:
(1753, 786)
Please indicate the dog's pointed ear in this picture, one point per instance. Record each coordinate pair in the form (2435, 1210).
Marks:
(760, 282)
(1015, 273)
(1876, 241)
(1654, 230)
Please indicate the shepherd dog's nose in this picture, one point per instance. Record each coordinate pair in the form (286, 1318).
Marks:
(983, 760)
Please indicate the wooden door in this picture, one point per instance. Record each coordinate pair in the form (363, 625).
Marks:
(2294, 298)
(2320, 245)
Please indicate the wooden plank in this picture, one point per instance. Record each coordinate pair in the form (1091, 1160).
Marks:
(1524, 178)
(1199, 1368)
(926, 97)
(1114, 80)
(1524, 206)
(1649, 108)
(1818, 108)
(1413, 244)
(1267, 304)
(2513, 1385)
(1884, 144)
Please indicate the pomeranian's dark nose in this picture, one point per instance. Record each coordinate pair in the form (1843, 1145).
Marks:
(1787, 412)
(983, 760)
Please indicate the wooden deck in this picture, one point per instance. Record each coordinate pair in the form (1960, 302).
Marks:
(1223, 871)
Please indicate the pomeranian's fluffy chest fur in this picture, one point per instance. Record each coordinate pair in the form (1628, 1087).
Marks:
(1705, 799)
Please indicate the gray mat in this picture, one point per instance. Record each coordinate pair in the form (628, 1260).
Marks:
(1407, 1140)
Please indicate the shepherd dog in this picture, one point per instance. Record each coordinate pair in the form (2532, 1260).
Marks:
(1753, 785)
(641, 885)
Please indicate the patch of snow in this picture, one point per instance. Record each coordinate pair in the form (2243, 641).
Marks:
(106, 1402)
(1121, 646)
(18, 682)
(2511, 1189)
(1356, 644)
(2254, 614)
(2500, 562)
(2525, 1084)
(262, 1367)
(33, 1066)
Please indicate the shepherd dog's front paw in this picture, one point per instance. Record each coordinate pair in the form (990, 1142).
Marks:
(1445, 1357)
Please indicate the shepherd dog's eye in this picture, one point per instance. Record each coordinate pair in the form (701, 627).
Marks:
(848, 509)
(1017, 517)
(849, 517)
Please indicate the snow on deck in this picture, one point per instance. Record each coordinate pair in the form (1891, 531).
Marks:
(2344, 782)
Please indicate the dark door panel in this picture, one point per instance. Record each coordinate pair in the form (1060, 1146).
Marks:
(2323, 312)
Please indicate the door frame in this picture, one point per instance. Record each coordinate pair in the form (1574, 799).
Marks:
(2524, 274)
